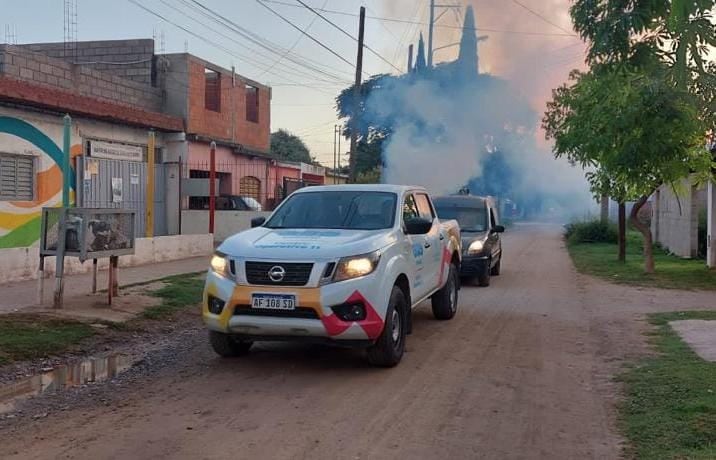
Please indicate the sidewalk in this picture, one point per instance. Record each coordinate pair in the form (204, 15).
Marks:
(16, 296)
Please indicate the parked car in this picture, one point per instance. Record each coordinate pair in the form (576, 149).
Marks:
(480, 229)
(226, 203)
(341, 264)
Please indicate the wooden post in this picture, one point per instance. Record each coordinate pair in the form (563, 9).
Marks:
(60, 259)
(94, 276)
(149, 210)
(114, 261)
(355, 118)
(212, 185)
(41, 281)
(110, 281)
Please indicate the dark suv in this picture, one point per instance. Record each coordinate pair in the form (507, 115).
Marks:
(480, 229)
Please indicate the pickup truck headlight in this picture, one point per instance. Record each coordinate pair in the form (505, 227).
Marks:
(475, 247)
(357, 266)
(220, 265)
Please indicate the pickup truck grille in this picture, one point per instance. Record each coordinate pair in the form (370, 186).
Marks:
(293, 274)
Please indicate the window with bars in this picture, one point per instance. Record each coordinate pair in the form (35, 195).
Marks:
(17, 177)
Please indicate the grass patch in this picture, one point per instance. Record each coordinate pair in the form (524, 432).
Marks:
(180, 291)
(670, 406)
(24, 337)
(600, 259)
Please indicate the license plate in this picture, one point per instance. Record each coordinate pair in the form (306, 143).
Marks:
(273, 301)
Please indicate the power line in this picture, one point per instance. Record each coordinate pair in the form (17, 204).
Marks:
(260, 2)
(210, 42)
(542, 17)
(347, 34)
(444, 26)
(254, 38)
(296, 42)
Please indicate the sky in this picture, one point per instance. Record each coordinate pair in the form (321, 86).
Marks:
(535, 49)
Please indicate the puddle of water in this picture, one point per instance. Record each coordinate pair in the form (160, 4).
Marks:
(82, 372)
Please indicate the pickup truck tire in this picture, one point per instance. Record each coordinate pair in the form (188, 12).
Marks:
(496, 269)
(445, 300)
(388, 349)
(227, 346)
(484, 279)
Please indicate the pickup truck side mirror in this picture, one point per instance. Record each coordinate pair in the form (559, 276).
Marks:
(418, 226)
(257, 222)
(498, 229)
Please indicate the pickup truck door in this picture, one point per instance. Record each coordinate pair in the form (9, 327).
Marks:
(433, 243)
(421, 284)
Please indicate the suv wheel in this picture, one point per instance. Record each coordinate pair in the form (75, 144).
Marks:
(390, 346)
(445, 300)
(484, 279)
(227, 345)
(496, 269)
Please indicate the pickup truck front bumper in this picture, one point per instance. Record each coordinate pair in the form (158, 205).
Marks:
(227, 308)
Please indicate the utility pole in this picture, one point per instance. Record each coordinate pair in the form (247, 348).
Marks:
(355, 119)
(430, 34)
(433, 20)
(335, 153)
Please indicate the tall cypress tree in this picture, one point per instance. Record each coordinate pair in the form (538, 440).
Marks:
(420, 62)
(467, 59)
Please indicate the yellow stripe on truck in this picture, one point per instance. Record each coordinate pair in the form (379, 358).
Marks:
(305, 297)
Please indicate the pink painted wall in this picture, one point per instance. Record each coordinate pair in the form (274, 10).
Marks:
(231, 167)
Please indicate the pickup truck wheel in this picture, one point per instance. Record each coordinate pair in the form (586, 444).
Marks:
(445, 300)
(388, 349)
(484, 279)
(227, 346)
(496, 269)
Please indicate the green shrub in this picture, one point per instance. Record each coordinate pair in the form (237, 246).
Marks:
(593, 231)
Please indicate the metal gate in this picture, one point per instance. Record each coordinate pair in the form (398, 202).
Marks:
(122, 184)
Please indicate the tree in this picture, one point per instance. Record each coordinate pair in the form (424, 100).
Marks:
(633, 128)
(650, 88)
(290, 147)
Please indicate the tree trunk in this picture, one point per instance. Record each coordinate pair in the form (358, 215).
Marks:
(622, 232)
(604, 217)
(646, 231)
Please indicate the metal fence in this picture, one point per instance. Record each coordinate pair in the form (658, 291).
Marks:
(120, 184)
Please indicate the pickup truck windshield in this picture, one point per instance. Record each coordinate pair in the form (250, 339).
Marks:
(350, 210)
(469, 219)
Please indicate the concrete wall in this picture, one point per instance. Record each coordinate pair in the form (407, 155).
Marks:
(136, 56)
(675, 218)
(21, 264)
(20, 63)
(226, 223)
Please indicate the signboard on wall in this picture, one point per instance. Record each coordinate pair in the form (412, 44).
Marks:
(116, 151)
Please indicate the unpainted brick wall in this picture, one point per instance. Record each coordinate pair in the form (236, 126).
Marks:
(37, 68)
(230, 122)
(128, 59)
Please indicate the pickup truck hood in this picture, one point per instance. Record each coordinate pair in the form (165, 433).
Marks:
(304, 244)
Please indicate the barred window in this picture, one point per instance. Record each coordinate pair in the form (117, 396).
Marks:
(17, 177)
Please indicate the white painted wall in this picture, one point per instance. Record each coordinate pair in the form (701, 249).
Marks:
(226, 223)
(676, 218)
(21, 264)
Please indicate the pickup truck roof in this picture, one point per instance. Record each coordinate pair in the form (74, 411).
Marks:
(361, 187)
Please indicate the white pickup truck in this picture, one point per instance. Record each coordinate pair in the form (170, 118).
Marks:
(342, 264)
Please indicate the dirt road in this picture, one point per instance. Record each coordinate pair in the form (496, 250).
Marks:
(524, 371)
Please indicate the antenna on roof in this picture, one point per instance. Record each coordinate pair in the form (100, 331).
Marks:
(70, 30)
